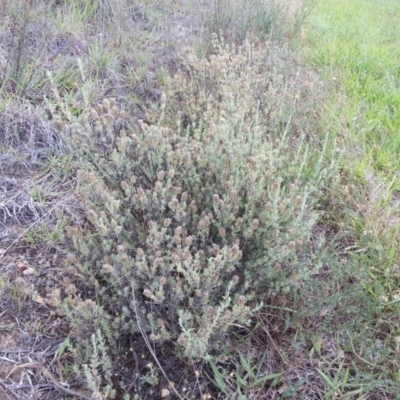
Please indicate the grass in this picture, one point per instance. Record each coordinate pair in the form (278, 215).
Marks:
(328, 330)
(356, 44)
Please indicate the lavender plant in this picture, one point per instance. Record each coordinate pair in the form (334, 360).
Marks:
(200, 213)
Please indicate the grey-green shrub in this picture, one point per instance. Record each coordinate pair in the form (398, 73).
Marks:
(202, 212)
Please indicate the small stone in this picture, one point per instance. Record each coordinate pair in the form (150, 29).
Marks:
(29, 271)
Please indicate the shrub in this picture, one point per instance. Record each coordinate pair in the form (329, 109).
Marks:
(200, 213)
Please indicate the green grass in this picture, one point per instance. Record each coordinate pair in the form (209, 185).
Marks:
(354, 46)
(356, 43)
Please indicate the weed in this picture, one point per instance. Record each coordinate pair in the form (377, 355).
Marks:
(213, 209)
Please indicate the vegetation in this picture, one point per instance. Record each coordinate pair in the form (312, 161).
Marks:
(355, 44)
(197, 201)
